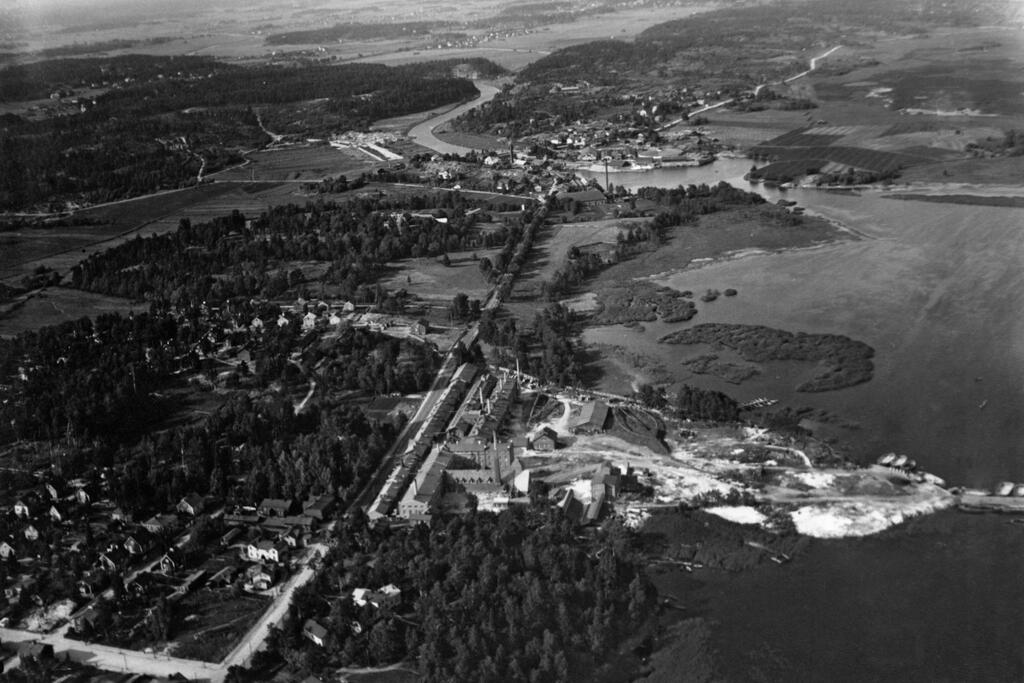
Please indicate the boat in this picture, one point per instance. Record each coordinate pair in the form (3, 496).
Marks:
(1004, 488)
(982, 405)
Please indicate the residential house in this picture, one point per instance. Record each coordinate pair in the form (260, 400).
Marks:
(191, 504)
(592, 418)
(55, 514)
(320, 507)
(6, 550)
(547, 440)
(87, 619)
(167, 564)
(258, 578)
(229, 537)
(275, 507)
(161, 523)
(37, 651)
(387, 596)
(121, 515)
(82, 496)
(31, 533)
(309, 321)
(24, 585)
(267, 551)
(607, 481)
(315, 632)
(51, 491)
(222, 578)
(110, 560)
(22, 510)
(137, 544)
(571, 507)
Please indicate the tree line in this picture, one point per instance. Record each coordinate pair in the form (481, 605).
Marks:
(234, 257)
(155, 130)
(512, 597)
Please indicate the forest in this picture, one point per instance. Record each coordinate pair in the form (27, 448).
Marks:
(168, 122)
(103, 391)
(233, 256)
(547, 604)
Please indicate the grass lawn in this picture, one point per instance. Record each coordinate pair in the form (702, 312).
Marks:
(214, 620)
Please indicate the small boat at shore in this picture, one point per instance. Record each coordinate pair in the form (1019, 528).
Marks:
(981, 406)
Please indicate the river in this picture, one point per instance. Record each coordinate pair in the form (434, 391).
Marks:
(938, 291)
(423, 133)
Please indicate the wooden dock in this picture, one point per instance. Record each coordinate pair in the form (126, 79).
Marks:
(974, 502)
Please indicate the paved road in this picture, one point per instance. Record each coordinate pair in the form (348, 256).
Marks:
(423, 133)
(255, 639)
(757, 89)
(117, 659)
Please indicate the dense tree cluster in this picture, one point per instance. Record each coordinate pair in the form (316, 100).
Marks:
(691, 403)
(686, 204)
(511, 597)
(232, 257)
(694, 403)
(546, 351)
(91, 379)
(169, 118)
(36, 80)
(254, 448)
(93, 387)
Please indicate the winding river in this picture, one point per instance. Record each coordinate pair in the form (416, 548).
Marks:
(423, 133)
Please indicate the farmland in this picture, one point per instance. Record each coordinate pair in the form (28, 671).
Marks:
(814, 150)
(306, 163)
(104, 226)
(53, 305)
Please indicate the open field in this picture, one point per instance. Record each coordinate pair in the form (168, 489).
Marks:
(433, 282)
(833, 148)
(552, 245)
(307, 163)
(54, 305)
(215, 620)
(719, 234)
(1005, 171)
(62, 248)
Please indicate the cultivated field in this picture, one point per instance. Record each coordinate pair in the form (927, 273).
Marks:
(62, 248)
(54, 305)
(306, 163)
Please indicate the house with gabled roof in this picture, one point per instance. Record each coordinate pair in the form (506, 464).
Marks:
(320, 507)
(159, 523)
(275, 507)
(547, 440)
(191, 505)
(21, 509)
(6, 550)
(315, 632)
(168, 564)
